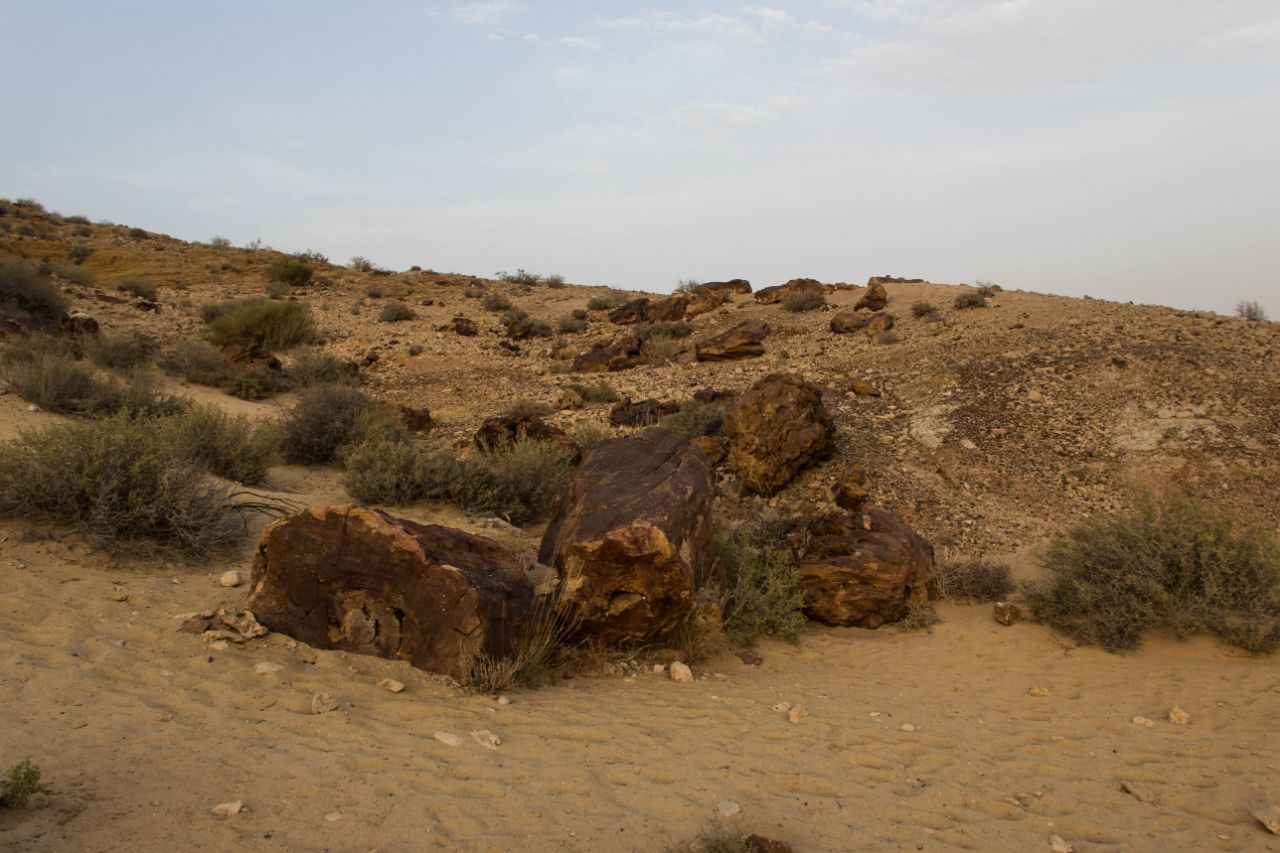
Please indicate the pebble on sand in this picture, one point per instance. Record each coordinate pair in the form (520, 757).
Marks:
(323, 703)
(267, 667)
(230, 579)
(1058, 845)
(448, 738)
(907, 727)
(681, 672)
(796, 714)
(1143, 721)
(1269, 818)
(391, 685)
(486, 738)
(728, 808)
(1179, 717)
(228, 809)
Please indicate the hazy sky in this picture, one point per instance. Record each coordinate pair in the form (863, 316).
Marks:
(1127, 149)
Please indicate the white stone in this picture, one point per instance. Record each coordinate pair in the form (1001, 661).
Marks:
(229, 579)
(228, 809)
(728, 808)
(1057, 845)
(266, 667)
(907, 727)
(448, 738)
(782, 708)
(486, 738)
(323, 703)
(333, 816)
(1143, 721)
(681, 672)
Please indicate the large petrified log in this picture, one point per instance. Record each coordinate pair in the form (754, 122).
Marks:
(863, 569)
(771, 295)
(645, 310)
(745, 340)
(505, 430)
(631, 539)
(362, 581)
(775, 428)
(610, 356)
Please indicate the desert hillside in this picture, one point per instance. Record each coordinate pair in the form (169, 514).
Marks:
(987, 420)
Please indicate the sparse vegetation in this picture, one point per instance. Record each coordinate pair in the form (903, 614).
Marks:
(1173, 564)
(360, 264)
(277, 290)
(328, 417)
(920, 617)
(678, 329)
(122, 481)
(257, 382)
(45, 373)
(526, 408)
(24, 289)
(973, 580)
(274, 325)
(118, 350)
(79, 253)
(725, 839)
(554, 281)
(219, 242)
(374, 292)
(803, 300)
(531, 662)
(138, 287)
(524, 278)
(924, 311)
(694, 419)
(230, 446)
(599, 391)
(495, 302)
(314, 367)
(74, 274)
(23, 783)
(970, 299)
(606, 302)
(688, 285)
(473, 292)
(396, 312)
(763, 595)
(570, 325)
(888, 338)
(1249, 310)
(196, 361)
(290, 271)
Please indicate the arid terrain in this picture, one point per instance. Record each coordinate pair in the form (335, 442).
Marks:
(988, 429)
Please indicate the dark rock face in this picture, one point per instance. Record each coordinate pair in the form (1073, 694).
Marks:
(646, 310)
(416, 419)
(246, 354)
(362, 581)
(78, 323)
(644, 413)
(610, 357)
(505, 430)
(776, 428)
(705, 302)
(863, 569)
(848, 322)
(631, 539)
(462, 326)
(770, 295)
(735, 285)
(874, 299)
(745, 340)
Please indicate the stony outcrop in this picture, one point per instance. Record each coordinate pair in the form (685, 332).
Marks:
(745, 340)
(504, 430)
(874, 299)
(644, 413)
(610, 356)
(848, 322)
(864, 569)
(631, 539)
(735, 285)
(248, 354)
(78, 322)
(461, 326)
(776, 428)
(416, 418)
(645, 310)
(704, 303)
(362, 581)
(770, 295)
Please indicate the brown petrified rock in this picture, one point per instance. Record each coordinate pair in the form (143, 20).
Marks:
(78, 322)
(734, 285)
(744, 340)
(462, 326)
(610, 356)
(850, 491)
(881, 321)
(629, 313)
(250, 354)
(847, 322)
(416, 419)
(1006, 613)
(705, 302)
(644, 413)
(864, 569)
(874, 299)
(362, 581)
(646, 310)
(770, 295)
(775, 428)
(504, 430)
(713, 447)
(631, 539)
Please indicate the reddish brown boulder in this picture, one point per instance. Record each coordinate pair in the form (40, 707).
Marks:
(850, 491)
(610, 356)
(644, 413)
(78, 322)
(874, 299)
(713, 447)
(362, 581)
(770, 295)
(736, 285)
(745, 340)
(847, 322)
(881, 321)
(631, 539)
(863, 569)
(462, 326)
(704, 303)
(776, 428)
(248, 354)
(506, 430)
(629, 313)
(645, 310)
(416, 419)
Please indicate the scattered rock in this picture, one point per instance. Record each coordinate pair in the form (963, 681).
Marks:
(505, 430)
(772, 295)
(796, 715)
(1039, 691)
(745, 340)
(416, 419)
(645, 310)
(486, 738)
(863, 388)
(323, 703)
(776, 428)
(644, 413)
(461, 326)
(1006, 613)
(907, 727)
(448, 738)
(267, 667)
(391, 685)
(1269, 817)
(230, 809)
(728, 808)
(1057, 845)
(750, 657)
(610, 356)
(850, 491)
(230, 578)
(1141, 793)
(736, 285)
(333, 816)
(782, 707)
(1143, 721)
(1179, 717)
(680, 672)
(874, 299)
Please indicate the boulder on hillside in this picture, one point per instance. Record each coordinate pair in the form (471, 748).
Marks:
(770, 295)
(892, 279)
(362, 581)
(704, 303)
(776, 428)
(416, 419)
(505, 430)
(881, 321)
(462, 326)
(862, 569)
(610, 356)
(874, 299)
(745, 340)
(250, 354)
(646, 310)
(735, 285)
(644, 413)
(77, 322)
(848, 322)
(631, 539)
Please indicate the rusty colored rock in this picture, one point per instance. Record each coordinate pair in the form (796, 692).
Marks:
(362, 581)
(644, 413)
(631, 539)
(776, 428)
(505, 430)
(847, 322)
(610, 356)
(78, 322)
(462, 326)
(734, 285)
(770, 295)
(704, 303)
(863, 388)
(745, 340)
(881, 321)
(416, 419)
(874, 299)
(1006, 613)
(864, 569)
(249, 354)
(646, 310)
(850, 491)
(713, 447)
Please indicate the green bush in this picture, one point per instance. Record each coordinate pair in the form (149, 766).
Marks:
(974, 580)
(52, 379)
(328, 417)
(495, 301)
(22, 785)
(23, 289)
(1172, 564)
(122, 481)
(118, 350)
(605, 302)
(230, 446)
(763, 594)
(198, 362)
(396, 312)
(569, 325)
(289, 271)
(313, 367)
(139, 287)
(803, 300)
(273, 325)
(599, 391)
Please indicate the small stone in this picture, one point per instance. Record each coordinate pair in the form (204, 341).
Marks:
(391, 685)
(1141, 793)
(1057, 845)
(907, 727)
(230, 809)
(230, 579)
(119, 595)
(750, 657)
(728, 808)
(1006, 613)
(681, 672)
(333, 816)
(968, 444)
(267, 667)
(659, 668)
(863, 388)
(32, 407)
(1039, 691)
(486, 738)
(1269, 818)
(1179, 717)
(1035, 396)
(782, 708)
(796, 714)
(448, 738)
(1143, 721)
(504, 700)
(323, 703)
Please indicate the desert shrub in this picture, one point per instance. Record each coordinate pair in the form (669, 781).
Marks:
(920, 617)
(554, 281)
(688, 285)
(28, 230)
(987, 288)
(694, 419)
(383, 471)
(327, 417)
(122, 481)
(219, 242)
(79, 253)
(311, 256)
(258, 382)
(599, 391)
(196, 361)
(277, 290)
(23, 783)
(538, 328)
(588, 435)
(210, 311)
(1249, 310)
(82, 231)
(522, 277)
(74, 274)
(888, 338)
(533, 658)
(374, 292)
(396, 312)
(138, 287)
(52, 379)
(606, 302)
(970, 299)
(24, 289)
(974, 580)
(569, 325)
(313, 367)
(678, 329)
(1172, 564)
(230, 446)
(660, 349)
(803, 300)
(526, 408)
(360, 264)
(723, 838)
(924, 311)
(525, 479)
(274, 325)
(118, 350)
(763, 593)
(495, 302)
(473, 292)
(290, 271)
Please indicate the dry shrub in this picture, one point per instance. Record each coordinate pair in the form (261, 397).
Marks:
(495, 302)
(231, 446)
(118, 350)
(23, 289)
(803, 300)
(722, 838)
(924, 311)
(43, 372)
(588, 435)
(289, 271)
(971, 299)
(396, 312)
(920, 617)
(677, 329)
(974, 580)
(570, 325)
(532, 659)
(526, 408)
(274, 325)
(258, 382)
(605, 302)
(1252, 311)
(313, 367)
(122, 481)
(327, 417)
(277, 290)
(198, 362)
(1173, 564)
(763, 595)
(138, 287)
(599, 391)
(74, 274)
(695, 419)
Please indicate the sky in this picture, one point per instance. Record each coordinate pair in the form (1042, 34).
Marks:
(1124, 149)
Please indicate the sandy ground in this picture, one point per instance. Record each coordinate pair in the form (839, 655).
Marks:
(925, 741)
